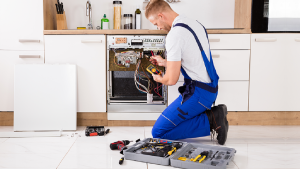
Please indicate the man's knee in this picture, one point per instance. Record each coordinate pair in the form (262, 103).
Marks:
(155, 132)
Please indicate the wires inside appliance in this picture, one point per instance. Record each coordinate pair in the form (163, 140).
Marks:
(143, 81)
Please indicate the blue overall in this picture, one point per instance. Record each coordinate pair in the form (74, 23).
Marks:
(185, 117)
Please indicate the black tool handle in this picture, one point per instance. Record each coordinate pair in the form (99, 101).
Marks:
(121, 161)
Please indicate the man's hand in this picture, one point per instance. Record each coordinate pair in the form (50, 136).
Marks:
(157, 77)
(158, 60)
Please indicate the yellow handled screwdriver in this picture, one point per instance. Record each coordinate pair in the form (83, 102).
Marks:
(182, 158)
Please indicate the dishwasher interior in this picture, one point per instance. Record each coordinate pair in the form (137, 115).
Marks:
(129, 79)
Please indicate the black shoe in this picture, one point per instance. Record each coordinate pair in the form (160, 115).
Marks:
(217, 120)
(225, 110)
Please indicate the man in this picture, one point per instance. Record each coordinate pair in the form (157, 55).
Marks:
(188, 51)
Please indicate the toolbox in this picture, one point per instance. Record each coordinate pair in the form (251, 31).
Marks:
(189, 155)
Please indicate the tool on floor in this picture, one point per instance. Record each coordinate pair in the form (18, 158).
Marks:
(95, 131)
(121, 161)
(120, 145)
(183, 158)
(176, 146)
(165, 141)
(204, 154)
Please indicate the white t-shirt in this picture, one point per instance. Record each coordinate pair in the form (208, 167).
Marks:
(182, 46)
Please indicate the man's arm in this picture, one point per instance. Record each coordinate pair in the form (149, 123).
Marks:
(172, 74)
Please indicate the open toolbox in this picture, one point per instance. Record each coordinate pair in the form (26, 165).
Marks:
(189, 155)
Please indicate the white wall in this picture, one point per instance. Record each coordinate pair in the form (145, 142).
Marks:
(211, 13)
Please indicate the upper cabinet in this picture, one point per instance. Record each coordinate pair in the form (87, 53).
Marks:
(22, 25)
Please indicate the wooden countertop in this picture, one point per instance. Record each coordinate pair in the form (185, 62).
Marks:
(137, 32)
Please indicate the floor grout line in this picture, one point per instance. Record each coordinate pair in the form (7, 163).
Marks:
(235, 165)
(5, 140)
(68, 151)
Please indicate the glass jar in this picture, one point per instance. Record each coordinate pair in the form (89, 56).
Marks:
(127, 20)
(117, 14)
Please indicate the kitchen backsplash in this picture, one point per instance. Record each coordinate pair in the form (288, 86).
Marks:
(211, 13)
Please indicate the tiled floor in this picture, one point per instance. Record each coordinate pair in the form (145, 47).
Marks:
(258, 147)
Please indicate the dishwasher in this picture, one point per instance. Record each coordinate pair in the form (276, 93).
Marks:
(132, 94)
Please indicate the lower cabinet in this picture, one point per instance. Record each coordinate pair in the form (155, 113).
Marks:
(173, 92)
(8, 59)
(234, 94)
(88, 53)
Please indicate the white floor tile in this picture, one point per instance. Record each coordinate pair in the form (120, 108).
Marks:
(258, 147)
(74, 161)
(2, 140)
(266, 161)
(256, 134)
(30, 160)
(155, 166)
(34, 148)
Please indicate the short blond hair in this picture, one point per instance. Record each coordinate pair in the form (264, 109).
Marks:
(156, 6)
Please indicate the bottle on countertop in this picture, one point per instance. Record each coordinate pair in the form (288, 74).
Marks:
(104, 22)
(117, 14)
(127, 21)
(138, 18)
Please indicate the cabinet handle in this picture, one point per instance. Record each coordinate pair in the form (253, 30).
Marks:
(29, 56)
(29, 40)
(214, 40)
(91, 41)
(265, 39)
(215, 56)
(297, 39)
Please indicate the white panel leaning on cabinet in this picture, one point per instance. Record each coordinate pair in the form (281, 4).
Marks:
(22, 25)
(45, 97)
(274, 72)
(88, 53)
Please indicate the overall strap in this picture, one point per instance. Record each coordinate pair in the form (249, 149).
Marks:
(208, 64)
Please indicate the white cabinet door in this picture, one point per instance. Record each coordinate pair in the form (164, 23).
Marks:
(234, 94)
(88, 53)
(22, 25)
(173, 92)
(274, 73)
(232, 64)
(7, 61)
(292, 72)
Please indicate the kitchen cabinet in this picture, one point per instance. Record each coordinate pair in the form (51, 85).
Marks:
(231, 56)
(22, 25)
(234, 94)
(274, 72)
(88, 53)
(173, 92)
(8, 59)
(229, 41)
(232, 64)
